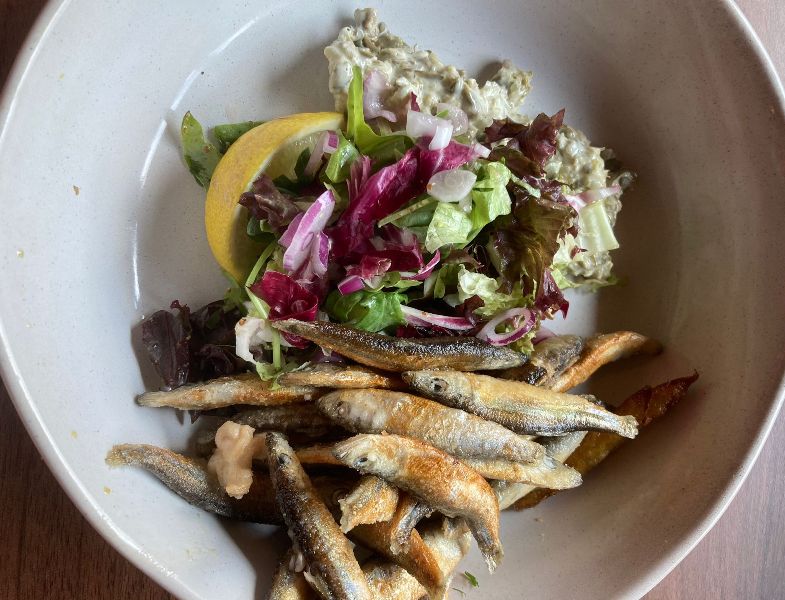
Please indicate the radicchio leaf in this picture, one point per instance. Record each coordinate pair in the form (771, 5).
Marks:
(267, 203)
(384, 192)
(287, 299)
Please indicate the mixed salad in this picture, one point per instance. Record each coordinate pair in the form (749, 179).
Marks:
(437, 210)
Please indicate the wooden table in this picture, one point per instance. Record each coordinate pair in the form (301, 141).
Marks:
(49, 550)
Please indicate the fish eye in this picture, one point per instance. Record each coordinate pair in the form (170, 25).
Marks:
(439, 385)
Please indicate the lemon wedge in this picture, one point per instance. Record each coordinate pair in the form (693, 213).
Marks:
(272, 147)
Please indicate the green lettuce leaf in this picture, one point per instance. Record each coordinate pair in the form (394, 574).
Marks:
(476, 284)
(341, 160)
(228, 133)
(371, 311)
(446, 278)
(199, 154)
(490, 198)
(449, 225)
(383, 148)
(596, 233)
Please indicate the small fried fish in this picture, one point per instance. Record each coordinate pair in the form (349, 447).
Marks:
(523, 408)
(404, 354)
(190, 480)
(341, 377)
(288, 583)
(373, 500)
(646, 405)
(227, 391)
(546, 472)
(440, 480)
(389, 581)
(549, 359)
(558, 448)
(601, 350)
(328, 554)
(455, 431)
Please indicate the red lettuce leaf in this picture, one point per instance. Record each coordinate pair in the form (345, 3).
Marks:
(187, 347)
(549, 298)
(536, 141)
(523, 244)
(266, 202)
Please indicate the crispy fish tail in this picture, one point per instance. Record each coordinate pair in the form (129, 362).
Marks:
(402, 354)
(558, 448)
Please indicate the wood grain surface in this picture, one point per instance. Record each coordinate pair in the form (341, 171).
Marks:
(49, 550)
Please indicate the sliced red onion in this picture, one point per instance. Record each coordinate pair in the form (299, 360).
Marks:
(480, 150)
(578, 201)
(488, 332)
(311, 224)
(320, 253)
(420, 318)
(451, 186)
(458, 118)
(420, 124)
(327, 143)
(425, 272)
(374, 89)
(351, 284)
(286, 239)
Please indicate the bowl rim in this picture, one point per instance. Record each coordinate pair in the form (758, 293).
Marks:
(102, 522)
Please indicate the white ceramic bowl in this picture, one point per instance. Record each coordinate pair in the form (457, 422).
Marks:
(102, 224)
